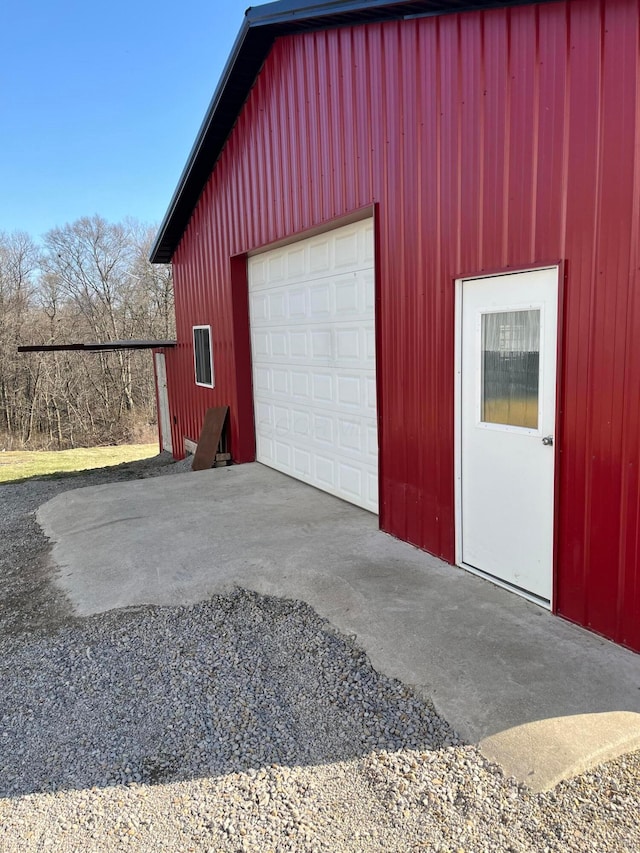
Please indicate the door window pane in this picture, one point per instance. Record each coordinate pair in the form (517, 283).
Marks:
(510, 368)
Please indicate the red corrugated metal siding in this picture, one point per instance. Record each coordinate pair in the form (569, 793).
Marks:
(487, 140)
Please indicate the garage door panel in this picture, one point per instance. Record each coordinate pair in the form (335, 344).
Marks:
(301, 422)
(320, 301)
(313, 342)
(297, 308)
(372, 441)
(300, 385)
(257, 272)
(348, 296)
(321, 344)
(319, 366)
(259, 307)
(336, 297)
(322, 388)
(346, 395)
(350, 480)
(350, 249)
(319, 256)
(264, 449)
(279, 344)
(336, 345)
(347, 249)
(261, 380)
(301, 465)
(372, 488)
(324, 471)
(323, 429)
(320, 430)
(351, 391)
(280, 381)
(328, 422)
(261, 342)
(371, 395)
(264, 416)
(283, 453)
(366, 243)
(281, 419)
(296, 261)
(298, 345)
(350, 344)
(315, 459)
(370, 347)
(276, 306)
(350, 434)
(276, 267)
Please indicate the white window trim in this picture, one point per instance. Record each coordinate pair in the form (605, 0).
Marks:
(212, 384)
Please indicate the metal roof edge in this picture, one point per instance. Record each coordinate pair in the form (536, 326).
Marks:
(260, 27)
(270, 19)
(197, 145)
(288, 11)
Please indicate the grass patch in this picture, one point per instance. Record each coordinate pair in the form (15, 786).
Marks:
(24, 464)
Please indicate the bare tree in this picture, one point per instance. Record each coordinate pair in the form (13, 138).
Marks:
(155, 285)
(92, 281)
(18, 264)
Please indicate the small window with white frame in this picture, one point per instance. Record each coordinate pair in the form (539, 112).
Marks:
(203, 356)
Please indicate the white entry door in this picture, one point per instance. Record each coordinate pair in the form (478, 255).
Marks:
(314, 371)
(163, 403)
(507, 412)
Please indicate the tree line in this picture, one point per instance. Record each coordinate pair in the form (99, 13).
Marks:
(90, 280)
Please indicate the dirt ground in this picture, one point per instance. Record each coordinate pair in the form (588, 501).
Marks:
(28, 599)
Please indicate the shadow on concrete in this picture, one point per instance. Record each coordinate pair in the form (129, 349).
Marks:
(490, 661)
(152, 695)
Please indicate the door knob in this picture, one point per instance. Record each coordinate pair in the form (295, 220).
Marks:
(548, 440)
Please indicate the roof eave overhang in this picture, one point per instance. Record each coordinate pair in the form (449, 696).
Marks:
(98, 346)
(193, 179)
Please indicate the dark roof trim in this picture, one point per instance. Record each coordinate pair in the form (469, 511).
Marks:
(260, 27)
(106, 346)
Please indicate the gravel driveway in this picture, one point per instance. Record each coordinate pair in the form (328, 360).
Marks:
(241, 723)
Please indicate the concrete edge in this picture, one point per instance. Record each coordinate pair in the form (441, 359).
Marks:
(545, 752)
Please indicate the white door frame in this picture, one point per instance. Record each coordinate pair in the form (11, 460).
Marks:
(164, 417)
(458, 431)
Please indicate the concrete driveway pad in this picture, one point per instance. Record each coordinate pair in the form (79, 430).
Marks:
(541, 697)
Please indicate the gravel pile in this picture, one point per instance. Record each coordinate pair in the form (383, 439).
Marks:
(243, 723)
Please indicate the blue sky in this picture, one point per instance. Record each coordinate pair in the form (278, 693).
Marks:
(100, 104)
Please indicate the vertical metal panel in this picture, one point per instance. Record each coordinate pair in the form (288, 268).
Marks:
(487, 140)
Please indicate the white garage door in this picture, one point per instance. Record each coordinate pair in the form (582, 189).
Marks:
(314, 375)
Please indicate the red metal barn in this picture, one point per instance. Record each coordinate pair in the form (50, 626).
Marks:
(406, 254)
